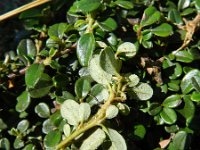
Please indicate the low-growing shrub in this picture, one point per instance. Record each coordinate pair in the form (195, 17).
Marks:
(103, 74)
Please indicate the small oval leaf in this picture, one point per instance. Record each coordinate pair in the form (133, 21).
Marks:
(23, 101)
(143, 91)
(82, 87)
(94, 140)
(111, 112)
(118, 142)
(97, 94)
(23, 126)
(150, 16)
(163, 30)
(126, 49)
(97, 73)
(108, 62)
(33, 74)
(168, 115)
(70, 111)
(172, 101)
(84, 111)
(42, 109)
(85, 48)
(52, 139)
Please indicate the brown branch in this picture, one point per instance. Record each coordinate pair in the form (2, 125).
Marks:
(22, 9)
(190, 28)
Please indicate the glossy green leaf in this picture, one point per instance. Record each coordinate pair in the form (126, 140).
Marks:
(172, 101)
(177, 71)
(42, 88)
(70, 111)
(195, 96)
(188, 80)
(168, 115)
(42, 110)
(52, 139)
(26, 50)
(111, 112)
(4, 144)
(127, 49)
(86, 6)
(147, 44)
(139, 131)
(94, 140)
(112, 39)
(172, 128)
(18, 143)
(154, 109)
(188, 111)
(182, 4)
(118, 142)
(174, 16)
(108, 25)
(23, 126)
(150, 16)
(108, 62)
(124, 4)
(143, 91)
(184, 56)
(23, 101)
(163, 30)
(97, 94)
(84, 112)
(33, 74)
(174, 85)
(56, 118)
(82, 87)
(47, 126)
(85, 48)
(181, 140)
(97, 73)
(58, 30)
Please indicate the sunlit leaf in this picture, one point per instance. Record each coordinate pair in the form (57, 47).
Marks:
(94, 140)
(143, 91)
(70, 111)
(97, 73)
(84, 111)
(111, 112)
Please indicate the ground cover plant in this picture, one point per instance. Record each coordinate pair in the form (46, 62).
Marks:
(101, 74)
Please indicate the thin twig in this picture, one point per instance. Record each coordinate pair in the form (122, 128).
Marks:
(22, 9)
(190, 28)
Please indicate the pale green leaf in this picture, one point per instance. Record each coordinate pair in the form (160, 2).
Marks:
(97, 73)
(94, 140)
(111, 112)
(84, 112)
(70, 111)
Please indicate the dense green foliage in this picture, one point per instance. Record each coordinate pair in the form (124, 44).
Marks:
(103, 74)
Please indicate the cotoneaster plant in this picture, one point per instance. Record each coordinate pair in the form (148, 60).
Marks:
(108, 74)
